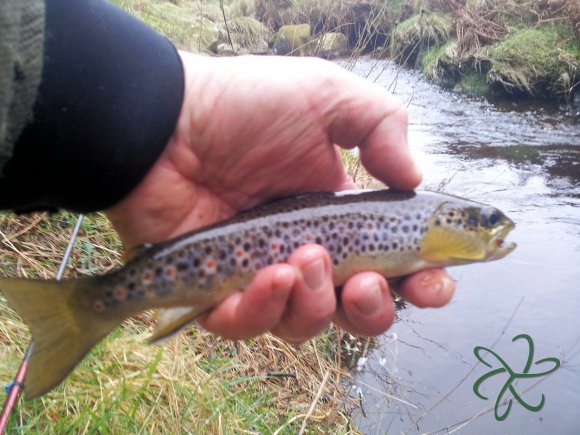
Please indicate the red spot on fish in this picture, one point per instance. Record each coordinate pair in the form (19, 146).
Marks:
(120, 293)
(170, 272)
(239, 253)
(148, 277)
(258, 266)
(210, 264)
(98, 306)
(275, 245)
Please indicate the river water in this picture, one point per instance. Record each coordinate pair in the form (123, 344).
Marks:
(419, 377)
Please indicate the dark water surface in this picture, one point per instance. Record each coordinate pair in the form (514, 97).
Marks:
(526, 161)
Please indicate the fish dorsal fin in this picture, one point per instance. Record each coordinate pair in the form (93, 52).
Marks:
(172, 320)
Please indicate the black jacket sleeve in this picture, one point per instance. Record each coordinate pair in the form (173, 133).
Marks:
(108, 102)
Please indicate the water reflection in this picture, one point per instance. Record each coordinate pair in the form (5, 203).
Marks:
(526, 161)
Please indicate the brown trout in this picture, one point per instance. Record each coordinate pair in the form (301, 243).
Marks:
(389, 232)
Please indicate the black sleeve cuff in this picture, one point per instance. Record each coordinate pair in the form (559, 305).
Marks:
(108, 102)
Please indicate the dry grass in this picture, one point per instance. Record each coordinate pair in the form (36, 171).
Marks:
(196, 382)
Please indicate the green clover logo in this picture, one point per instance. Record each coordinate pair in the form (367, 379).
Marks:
(512, 376)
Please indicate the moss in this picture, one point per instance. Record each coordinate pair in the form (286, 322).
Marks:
(441, 63)
(247, 31)
(474, 84)
(421, 30)
(537, 61)
(186, 25)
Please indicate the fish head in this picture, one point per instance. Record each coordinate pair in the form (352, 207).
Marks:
(465, 232)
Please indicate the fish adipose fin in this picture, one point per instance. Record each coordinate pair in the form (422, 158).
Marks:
(171, 320)
(63, 327)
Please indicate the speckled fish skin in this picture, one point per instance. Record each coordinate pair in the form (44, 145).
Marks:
(393, 233)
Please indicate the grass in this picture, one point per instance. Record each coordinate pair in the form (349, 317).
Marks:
(440, 61)
(423, 30)
(533, 60)
(196, 382)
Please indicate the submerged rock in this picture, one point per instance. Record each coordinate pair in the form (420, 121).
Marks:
(292, 39)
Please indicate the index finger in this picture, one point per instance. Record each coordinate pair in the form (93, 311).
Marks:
(364, 114)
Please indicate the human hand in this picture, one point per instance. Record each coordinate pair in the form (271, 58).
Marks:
(254, 128)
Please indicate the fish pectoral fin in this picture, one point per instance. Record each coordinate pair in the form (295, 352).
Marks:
(440, 244)
(171, 320)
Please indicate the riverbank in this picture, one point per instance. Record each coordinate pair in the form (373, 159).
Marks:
(503, 48)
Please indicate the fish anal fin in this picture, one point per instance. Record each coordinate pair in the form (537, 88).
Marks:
(171, 320)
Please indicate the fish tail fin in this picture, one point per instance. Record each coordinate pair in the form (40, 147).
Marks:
(62, 323)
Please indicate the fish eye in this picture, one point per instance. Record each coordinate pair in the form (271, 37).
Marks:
(494, 218)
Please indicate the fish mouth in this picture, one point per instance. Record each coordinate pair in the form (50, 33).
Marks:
(497, 247)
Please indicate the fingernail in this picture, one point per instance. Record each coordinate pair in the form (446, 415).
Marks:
(372, 300)
(314, 274)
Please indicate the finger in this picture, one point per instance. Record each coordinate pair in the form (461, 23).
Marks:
(256, 310)
(366, 305)
(428, 288)
(312, 302)
(366, 115)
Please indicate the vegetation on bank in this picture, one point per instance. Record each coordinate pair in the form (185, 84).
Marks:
(482, 47)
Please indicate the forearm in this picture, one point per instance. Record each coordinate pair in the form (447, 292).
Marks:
(108, 101)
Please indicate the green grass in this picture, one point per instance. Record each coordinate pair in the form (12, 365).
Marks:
(534, 59)
(441, 61)
(419, 31)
